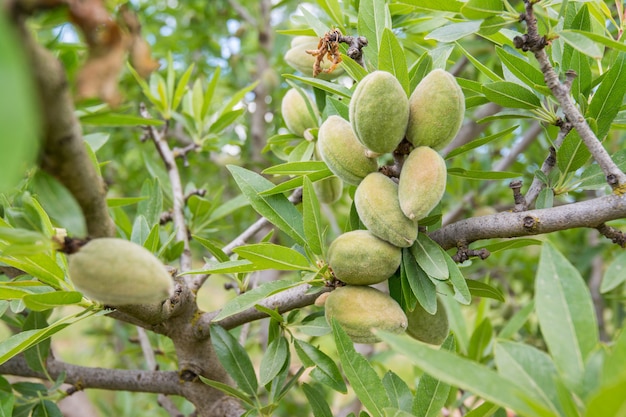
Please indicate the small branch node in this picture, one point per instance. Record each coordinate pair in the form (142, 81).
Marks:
(464, 253)
(520, 201)
(616, 236)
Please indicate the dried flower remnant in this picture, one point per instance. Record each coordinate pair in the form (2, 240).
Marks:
(328, 46)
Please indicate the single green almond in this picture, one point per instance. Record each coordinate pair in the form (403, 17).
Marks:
(342, 152)
(297, 58)
(379, 112)
(360, 258)
(422, 182)
(426, 327)
(328, 190)
(296, 114)
(376, 202)
(436, 110)
(115, 272)
(359, 309)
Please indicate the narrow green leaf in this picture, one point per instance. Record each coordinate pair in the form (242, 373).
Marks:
(398, 391)
(333, 9)
(391, 58)
(362, 377)
(228, 267)
(46, 408)
(249, 298)
(481, 289)
(482, 175)
(421, 286)
(317, 401)
(545, 199)
(486, 409)
(432, 394)
(480, 341)
(354, 70)
(49, 300)
(37, 355)
(595, 37)
(566, 315)
(7, 401)
(581, 43)
(510, 94)
(276, 208)
(511, 244)
(312, 218)
(124, 201)
(181, 87)
(332, 88)
(296, 168)
(454, 31)
(296, 182)
(467, 375)
(325, 371)
(276, 356)
(210, 91)
(429, 257)
(373, 18)
(461, 290)
(41, 266)
(235, 360)
(140, 231)
(419, 70)
(523, 70)
(436, 5)
(480, 66)
(613, 370)
(271, 256)
(608, 98)
(608, 402)
(530, 368)
(481, 9)
(481, 141)
(228, 390)
(516, 322)
(313, 21)
(394, 412)
(152, 206)
(213, 248)
(116, 119)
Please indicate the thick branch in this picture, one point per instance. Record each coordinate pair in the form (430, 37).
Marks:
(64, 155)
(536, 44)
(590, 213)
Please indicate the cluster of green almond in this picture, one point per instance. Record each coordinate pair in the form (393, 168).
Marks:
(381, 117)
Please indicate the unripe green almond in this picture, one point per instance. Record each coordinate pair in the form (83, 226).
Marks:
(360, 258)
(437, 107)
(376, 202)
(358, 309)
(342, 152)
(296, 114)
(379, 112)
(422, 182)
(328, 190)
(297, 58)
(426, 327)
(117, 272)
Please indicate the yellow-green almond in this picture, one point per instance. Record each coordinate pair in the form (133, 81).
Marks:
(359, 309)
(342, 152)
(437, 107)
(115, 272)
(328, 190)
(360, 258)
(426, 327)
(296, 114)
(379, 112)
(376, 202)
(422, 182)
(297, 58)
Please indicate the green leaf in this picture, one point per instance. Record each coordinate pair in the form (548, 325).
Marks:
(421, 286)
(37, 355)
(41, 266)
(181, 87)
(296, 182)
(481, 141)
(436, 5)
(312, 218)
(480, 342)
(398, 391)
(481, 289)
(482, 175)
(391, 58)
(140, 231)
(117, 119)
(276, 356)
(373, 18)
(325, 371)
(7, 400)
(353, 69)
(228, 390)
(432, 394)
(545, 199)
(19, 112)
(419, 70)
(276, 208)
(317, 401)
(595, 37)
(517, 321)
(429, 257)
(613, 370)
(581, 43)
(510, 94)
(362, 377)
(461, 290)
(152, 207)
(296, 168)
(465, 374)
(234, 359)
(608, 402)
(333, 9)
(213, 248)
(524, 71)
(454, 31)
(486, 409)
(481, 9)
(210, 91)
(123, 201)
(49, 300)
(530, 368)
(608, 98)
(511, 244)
(332, 88)
(249, 298)
(46, 408)
(566, 315)
(394, 412)
(271, 256)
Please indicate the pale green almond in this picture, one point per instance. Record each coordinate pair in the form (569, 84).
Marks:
(426, 327)
(296, 114)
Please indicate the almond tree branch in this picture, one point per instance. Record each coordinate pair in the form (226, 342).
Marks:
(63, 150)
(561, 91)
